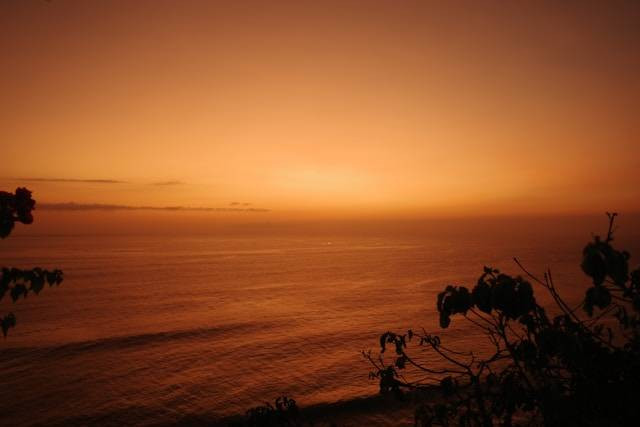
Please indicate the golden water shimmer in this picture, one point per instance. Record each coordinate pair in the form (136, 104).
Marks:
(148, 330)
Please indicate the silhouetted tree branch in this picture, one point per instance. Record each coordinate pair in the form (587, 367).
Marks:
(17, 283)
(581, 367)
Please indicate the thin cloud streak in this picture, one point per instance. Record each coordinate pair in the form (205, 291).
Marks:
(94, 181)
(72, 206)
(91, 181)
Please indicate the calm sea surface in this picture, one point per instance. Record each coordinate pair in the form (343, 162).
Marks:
(152, 329)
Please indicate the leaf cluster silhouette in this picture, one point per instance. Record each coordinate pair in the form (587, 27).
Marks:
(580, 366)
(284, 413)
(15, 282)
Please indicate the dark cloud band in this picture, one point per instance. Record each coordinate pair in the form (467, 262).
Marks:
(91, 181)
(71, 206)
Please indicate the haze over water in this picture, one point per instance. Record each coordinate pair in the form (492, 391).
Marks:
(155, 329)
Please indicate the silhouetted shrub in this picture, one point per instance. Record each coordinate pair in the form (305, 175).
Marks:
(15, 208)
(15, 282)
(579, 367)
(283, 414)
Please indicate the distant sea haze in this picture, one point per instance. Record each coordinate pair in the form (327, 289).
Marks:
(151, 329)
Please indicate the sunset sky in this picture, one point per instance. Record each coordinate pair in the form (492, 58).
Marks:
(384, 108)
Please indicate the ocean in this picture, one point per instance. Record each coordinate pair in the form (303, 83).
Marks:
(153, 329)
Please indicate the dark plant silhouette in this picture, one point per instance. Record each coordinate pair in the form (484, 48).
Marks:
(17, 207)
(580, 366)
(284, 414)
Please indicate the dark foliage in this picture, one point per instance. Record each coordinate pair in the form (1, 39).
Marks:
(15, 282)
(284, 414)
(578, 367)
(15, 208)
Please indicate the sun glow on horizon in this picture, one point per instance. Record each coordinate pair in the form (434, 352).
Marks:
(305, 109)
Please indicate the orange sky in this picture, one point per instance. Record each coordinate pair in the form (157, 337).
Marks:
(376, 108)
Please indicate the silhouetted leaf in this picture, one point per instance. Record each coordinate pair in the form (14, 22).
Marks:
(482, 297)
(9, 321)
(445, 320)
(593, 263)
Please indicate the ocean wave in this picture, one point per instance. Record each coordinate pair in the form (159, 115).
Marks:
(130, 341)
